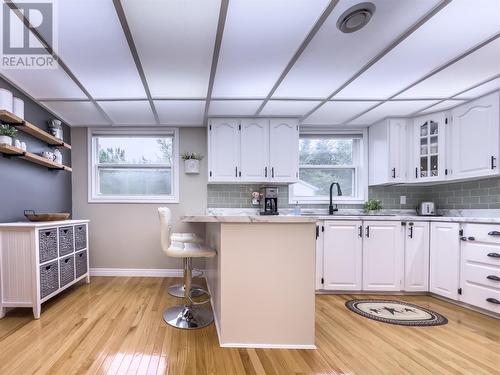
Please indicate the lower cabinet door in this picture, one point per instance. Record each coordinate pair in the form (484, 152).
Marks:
(444, 259)
(342, 255)
(383, 255)
(416, 278)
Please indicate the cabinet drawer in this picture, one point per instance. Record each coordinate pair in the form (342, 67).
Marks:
(488, 233)
(67, 267)
(487, 254)
(81, 263)
(80, 237)
(479, 274)
(66, 244)
(49, 279)
(481, 296)
(47, 244)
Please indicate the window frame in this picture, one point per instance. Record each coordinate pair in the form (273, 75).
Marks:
(93, 179)
(360, 166)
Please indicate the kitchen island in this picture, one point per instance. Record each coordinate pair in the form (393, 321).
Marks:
(262, 281)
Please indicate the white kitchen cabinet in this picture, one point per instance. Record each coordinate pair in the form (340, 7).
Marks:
(320, 235)
(342, 255)
(284, 150)
(429, 148)
(224, 150)
(383, 255)
(387, 152)
(254, 150)
(416, 268)
(444, 259)
(475, 132)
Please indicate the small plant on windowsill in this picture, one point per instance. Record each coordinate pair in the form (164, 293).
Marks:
(7, 133)
(191, 162)
(372, 206)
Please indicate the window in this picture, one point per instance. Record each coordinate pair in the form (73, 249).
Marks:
(327, 158)
(128, 166)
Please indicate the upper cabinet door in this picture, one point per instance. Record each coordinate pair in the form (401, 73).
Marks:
(254, 150)
(397, 150)
(224, 150)
(476, 138)
(284, 150)
(429, 148)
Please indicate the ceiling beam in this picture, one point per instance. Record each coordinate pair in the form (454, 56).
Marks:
(384, 52)
(133, 50)
(58, 58)
(215, 57)
(321, 20)
(430, 74)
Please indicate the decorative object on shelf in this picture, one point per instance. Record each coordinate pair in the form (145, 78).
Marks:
(23, 146)
(31, 215)
(191, 162)
(372, 206)
(58, 156)
(48, 155)
(7, 133)
(396, 312)
(6, 100)
(55, 128)
(17, 143)
(18, 107)
(255, 198)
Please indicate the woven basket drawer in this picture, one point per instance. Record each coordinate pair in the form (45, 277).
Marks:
(47, 244)
(49, 279)
(66, 245)
(67, 266)
(80, 237)
(81, 263)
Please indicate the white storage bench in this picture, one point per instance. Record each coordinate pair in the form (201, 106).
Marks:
(39, 260)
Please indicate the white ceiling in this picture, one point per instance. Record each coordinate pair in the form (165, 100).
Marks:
(175, 62)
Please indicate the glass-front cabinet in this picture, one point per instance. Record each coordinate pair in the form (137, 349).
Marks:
(429, 151)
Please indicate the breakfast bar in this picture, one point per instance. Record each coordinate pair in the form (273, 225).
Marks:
(262, 280)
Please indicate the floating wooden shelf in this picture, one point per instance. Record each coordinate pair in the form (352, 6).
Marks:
(33, 158)
(29, 128)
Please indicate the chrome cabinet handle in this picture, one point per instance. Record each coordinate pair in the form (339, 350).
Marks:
(493, 277)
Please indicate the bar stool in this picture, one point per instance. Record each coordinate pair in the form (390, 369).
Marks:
(189, 315)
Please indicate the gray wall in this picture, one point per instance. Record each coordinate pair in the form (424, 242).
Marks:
(127, 235)
(24, 185)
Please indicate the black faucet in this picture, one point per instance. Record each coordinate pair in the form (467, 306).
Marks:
(331, 210)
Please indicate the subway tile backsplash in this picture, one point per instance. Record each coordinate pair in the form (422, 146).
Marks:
(481, 194)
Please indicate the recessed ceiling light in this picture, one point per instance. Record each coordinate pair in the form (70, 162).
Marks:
(356, 17)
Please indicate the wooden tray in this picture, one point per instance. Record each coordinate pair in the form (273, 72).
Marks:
(58, 216)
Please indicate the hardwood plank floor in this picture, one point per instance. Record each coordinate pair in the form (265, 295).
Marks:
(114, 326)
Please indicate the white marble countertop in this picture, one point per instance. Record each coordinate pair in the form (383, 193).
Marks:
(39, 224)
(248, 218)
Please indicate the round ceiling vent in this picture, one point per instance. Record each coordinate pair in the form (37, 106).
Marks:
(356, 17)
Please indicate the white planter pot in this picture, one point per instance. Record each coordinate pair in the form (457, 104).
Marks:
(191, 166)
(6, 100)
(5, 140)
(18, 107)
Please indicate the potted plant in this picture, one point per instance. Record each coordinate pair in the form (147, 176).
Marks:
(191, 162)
(7, 133)
(372, 206)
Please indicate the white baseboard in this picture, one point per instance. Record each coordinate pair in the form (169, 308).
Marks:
(137, 272)
(267, 346)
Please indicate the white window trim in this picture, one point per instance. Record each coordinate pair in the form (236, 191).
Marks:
(361, 170)
(92, 180)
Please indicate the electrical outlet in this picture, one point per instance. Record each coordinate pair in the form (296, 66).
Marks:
(402, 199)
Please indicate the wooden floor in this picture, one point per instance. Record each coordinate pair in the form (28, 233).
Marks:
(114, 326)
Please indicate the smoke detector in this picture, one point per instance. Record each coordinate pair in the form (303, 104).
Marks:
(356, 17)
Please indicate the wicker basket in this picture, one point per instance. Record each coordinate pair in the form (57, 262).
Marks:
(66, 241)
(67, 266)
(80, 237)
(49, 279)
(81, 263)
(47, 244)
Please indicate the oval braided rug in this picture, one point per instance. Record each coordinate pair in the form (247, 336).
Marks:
(396, 312)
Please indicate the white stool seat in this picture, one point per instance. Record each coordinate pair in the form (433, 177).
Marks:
(186, 237)
(189, 250)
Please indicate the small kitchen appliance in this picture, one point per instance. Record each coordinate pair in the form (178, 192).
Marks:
(426, 209)
(269, 201)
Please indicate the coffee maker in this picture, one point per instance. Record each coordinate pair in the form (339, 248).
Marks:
(269, 201)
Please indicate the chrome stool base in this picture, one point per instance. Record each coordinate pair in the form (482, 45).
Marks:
(188, 317)
(177, 290)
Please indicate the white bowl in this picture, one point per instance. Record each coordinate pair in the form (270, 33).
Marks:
(6, 102)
